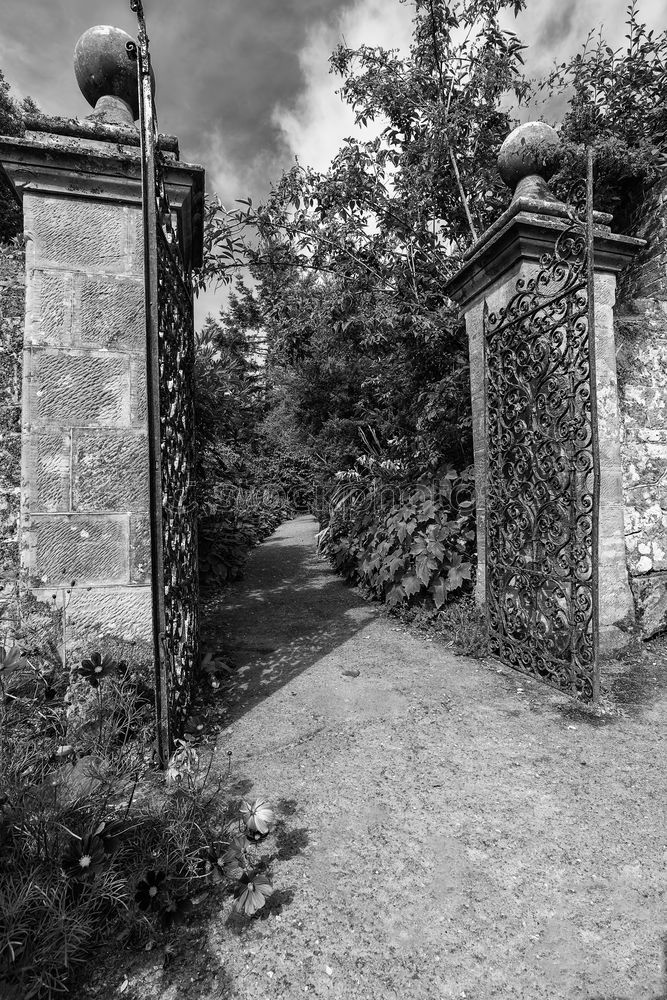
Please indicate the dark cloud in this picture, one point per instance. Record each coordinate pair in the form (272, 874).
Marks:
(240, 59)
(558, 25)
(221, 67)
(224, 66)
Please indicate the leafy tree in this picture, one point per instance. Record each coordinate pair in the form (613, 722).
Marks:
(367, 360)
(247, 483)
(393, 208)
(617, 102)
(350, 263)
(11, 123)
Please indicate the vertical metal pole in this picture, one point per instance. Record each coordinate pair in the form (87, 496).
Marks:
(149, 205)
(595, 443)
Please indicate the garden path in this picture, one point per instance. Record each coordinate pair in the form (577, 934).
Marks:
(448, 828)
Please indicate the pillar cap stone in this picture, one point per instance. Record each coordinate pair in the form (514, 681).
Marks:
(106, 74)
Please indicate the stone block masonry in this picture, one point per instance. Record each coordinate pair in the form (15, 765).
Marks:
(84, 528)
(641, 338)
(107, 533)
(86, 447)
(79, 374)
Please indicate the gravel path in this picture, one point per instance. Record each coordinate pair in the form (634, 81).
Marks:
(448, 828)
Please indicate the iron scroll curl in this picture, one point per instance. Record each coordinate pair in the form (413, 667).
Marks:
(543, 468)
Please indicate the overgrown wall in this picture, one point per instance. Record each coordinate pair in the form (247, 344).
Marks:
(641, 345)
(12, 318)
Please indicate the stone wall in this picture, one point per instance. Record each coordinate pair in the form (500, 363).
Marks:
(85, 455)
(12, 313)
(641, 345)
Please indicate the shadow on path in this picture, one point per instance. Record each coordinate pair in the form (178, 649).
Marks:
(288, 612)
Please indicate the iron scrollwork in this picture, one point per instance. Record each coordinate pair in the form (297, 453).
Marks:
(179, 508)
(170, 368)
(541, 560)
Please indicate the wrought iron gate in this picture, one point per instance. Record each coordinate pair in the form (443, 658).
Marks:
(543, 467)
(169, 377)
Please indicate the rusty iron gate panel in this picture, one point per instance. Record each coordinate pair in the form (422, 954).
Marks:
(170, 385)
(543, 466)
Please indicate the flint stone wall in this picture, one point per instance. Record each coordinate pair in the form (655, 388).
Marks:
(12, 312)
(641, 345)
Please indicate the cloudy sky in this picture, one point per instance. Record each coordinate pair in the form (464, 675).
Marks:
(245, 84)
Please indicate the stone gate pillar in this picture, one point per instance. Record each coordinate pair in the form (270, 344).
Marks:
(85, 497)
(511, 250)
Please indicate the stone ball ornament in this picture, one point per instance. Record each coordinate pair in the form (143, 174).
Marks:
(529, 150)
(104, 70)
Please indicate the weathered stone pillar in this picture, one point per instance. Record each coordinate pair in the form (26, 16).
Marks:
(511, 250)
(85, 498)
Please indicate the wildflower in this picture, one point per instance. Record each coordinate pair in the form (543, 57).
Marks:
(224, 858)
(183, 761)
(258, 817)
(84, 858)
(251, 893)
(96, 667)
(148, 893)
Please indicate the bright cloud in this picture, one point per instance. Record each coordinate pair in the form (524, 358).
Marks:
(315, 125)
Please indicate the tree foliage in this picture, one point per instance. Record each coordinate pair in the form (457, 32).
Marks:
(367, 359)
(247, 483)
(12, 114)
(397, 210)
(616, 102)
(349, 264)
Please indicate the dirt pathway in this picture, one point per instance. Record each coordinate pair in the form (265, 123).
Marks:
(449, 829)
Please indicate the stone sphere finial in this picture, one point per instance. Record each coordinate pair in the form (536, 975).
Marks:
(527, 158)
(106, 74)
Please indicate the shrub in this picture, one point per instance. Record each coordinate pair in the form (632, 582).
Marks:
(95, 845)
(617, 101)
(246, 484)
(421, 548)
(235, 524)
